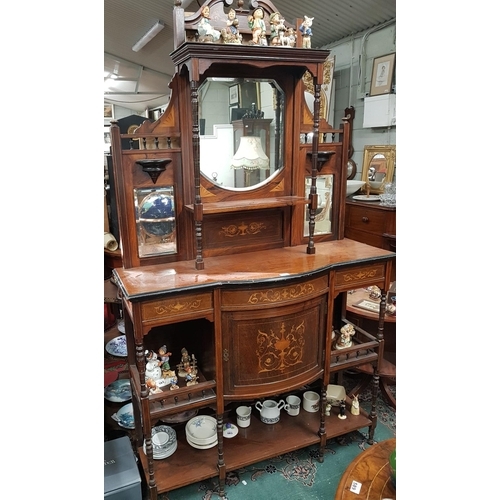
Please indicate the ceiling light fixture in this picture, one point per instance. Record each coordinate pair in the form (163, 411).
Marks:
(149, 36)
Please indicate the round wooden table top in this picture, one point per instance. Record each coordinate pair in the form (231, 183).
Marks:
(371, 470)
(359, 295)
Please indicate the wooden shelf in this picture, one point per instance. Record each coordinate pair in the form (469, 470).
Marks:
(250, 204)
(257, 442)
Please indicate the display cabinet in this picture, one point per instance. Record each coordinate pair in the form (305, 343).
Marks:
(237, 276)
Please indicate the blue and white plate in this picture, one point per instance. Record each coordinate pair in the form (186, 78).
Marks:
(125, 416)
(118, 391)
(117, 346)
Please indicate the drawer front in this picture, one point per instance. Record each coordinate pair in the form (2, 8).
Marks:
(173, 309)
(365, 219)
(358, 277)
(275, 295)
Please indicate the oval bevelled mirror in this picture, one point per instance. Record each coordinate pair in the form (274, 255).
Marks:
(378, 166)
(241, 131)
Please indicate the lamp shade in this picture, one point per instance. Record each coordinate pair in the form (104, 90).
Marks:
(250, 155)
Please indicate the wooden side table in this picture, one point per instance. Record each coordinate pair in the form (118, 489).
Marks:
(372, 470)
(369, 321)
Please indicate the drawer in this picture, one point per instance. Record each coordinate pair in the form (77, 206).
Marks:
(173, 309)
(365, 219)
(358, 277)
(276, 295)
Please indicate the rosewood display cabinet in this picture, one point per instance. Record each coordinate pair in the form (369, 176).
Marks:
(236, 276)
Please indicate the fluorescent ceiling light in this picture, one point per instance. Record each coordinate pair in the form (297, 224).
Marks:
(148, 36)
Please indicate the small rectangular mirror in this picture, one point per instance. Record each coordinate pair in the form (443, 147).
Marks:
(378, 167)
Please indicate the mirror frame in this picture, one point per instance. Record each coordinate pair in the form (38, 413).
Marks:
(352, 169)
(370, 151)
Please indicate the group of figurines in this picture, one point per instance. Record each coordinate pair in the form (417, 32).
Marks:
(160, 374)
(279, 33)
(342, 408)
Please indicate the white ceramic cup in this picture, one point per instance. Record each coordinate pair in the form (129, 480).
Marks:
(310, 401)
(292, 405)
(243, 416)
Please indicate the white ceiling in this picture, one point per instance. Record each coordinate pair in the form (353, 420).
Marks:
(144, 76)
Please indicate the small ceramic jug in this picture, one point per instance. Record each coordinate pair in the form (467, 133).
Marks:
(269, 410)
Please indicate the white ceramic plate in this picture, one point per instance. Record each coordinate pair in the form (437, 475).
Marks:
(118, 391)
(172, 437)
(202, 429)
(202, 446)
(161, 455)
(117, 346)
(363, 197)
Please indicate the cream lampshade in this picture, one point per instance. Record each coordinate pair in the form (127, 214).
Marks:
(250, 155)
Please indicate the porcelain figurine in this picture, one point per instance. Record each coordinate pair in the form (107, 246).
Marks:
(375, 292)
(342, 414)
(153, 370)
(206, 32)
(231, 34)
(258, 26)
(289, 38)
(328, 409)
(305, 29)
(278, 29)
(346, 332)
(355, 405)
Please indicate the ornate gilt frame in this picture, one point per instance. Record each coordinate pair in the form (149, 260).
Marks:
(390, 154)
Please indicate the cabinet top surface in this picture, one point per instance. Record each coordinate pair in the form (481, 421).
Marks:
(371, 204)
(264, 266)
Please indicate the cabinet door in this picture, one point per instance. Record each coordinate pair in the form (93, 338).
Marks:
(268, 351)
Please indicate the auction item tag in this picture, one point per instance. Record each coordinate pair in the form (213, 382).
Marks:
(356, 487)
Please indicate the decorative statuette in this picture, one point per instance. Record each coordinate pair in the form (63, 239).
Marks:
(355, 405)
(258, 26)
(346, 332)
(206, 32)
(231, 34)
(305, 29)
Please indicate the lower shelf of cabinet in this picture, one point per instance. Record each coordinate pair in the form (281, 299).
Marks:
(257, 442)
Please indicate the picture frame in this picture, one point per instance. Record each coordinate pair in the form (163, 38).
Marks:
(382, 74)
(378, 167)
(234, 94)
(109, 111)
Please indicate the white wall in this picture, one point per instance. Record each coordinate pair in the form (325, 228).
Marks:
(352, 84)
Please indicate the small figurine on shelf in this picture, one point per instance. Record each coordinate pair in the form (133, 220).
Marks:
(278, 28)
(289, 38)
(328, 409)
(355, 405)
(305, 29)
(164, 354)
(153, 388)
(346, 332)
(258, 26)
(187, 366)
(231, 34)
(174, 385)
(342, 414)
(206, 32)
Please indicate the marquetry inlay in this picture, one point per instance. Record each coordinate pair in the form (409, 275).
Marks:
(280, 294)
(279, 186)
(178, 307)
(243, 229)
(170, 308)
(359, 275)
(280, 351)
(205, 193)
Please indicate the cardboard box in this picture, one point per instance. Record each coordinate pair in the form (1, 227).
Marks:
(122, 480)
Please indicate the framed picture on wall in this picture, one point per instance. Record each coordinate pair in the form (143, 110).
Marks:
(382, 74)
(234, 94)
(108, 111)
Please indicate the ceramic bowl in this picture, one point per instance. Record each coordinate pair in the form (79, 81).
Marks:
(201, 430)
(353, 186)
(376, 184)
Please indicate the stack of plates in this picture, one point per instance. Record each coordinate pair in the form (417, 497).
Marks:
(201, 432)
(163, 440)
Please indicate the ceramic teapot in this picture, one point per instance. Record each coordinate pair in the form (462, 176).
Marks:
(270, 410)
